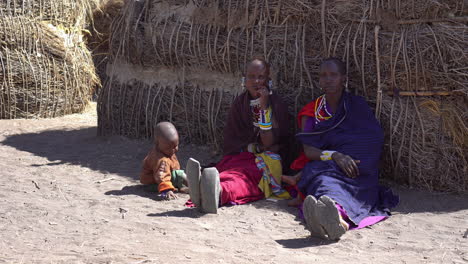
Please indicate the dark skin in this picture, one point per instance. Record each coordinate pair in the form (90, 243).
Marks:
(167, 142)
(332, 81)
(256, 83)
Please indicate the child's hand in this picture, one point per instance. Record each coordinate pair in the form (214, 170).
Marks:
(169, 195)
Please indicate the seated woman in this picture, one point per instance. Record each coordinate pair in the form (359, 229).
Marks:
(342, 143)
(254, 139)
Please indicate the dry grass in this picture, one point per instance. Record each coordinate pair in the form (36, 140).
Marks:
(70, 13)
(46, 71)
(427, 142)
(98, 39)
(389, 46)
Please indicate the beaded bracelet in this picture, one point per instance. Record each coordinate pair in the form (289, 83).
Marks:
(265, 119)
(327, 155)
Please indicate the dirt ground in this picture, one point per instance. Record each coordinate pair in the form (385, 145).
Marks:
(67, 196)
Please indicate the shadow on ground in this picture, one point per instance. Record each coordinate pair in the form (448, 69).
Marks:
(115, 155)
(146, 191)
(305, 242)
(122, 156)
(411, 201)
(186, 213)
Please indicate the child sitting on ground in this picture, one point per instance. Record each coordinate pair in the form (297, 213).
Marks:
(161, 166)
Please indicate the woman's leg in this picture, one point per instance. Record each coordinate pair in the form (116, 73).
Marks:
(311, 211)
(210, 190)
(239, 178)
(240, 186)
(329, 217)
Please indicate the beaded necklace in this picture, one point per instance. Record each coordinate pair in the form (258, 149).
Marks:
(321, 107)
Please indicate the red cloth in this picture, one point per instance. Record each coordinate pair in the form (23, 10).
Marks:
(308, 110)
(239, 177)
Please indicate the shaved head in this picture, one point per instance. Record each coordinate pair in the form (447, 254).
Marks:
(166, 131)
(258, 64)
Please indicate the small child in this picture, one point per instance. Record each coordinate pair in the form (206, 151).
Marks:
(161, 166)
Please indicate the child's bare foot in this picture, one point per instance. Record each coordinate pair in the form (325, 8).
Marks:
(294, 202)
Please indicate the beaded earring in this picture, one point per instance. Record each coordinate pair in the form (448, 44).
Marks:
(270, 86)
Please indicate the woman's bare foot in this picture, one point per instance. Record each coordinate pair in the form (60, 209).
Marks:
(295, 202)
(344, 224)
(291, 180)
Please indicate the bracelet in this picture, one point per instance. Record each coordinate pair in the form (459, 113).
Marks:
(265, 126)
(327, 155)
(265, 119)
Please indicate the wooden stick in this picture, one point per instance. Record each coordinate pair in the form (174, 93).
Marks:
(37, 185)
(416, 21)
(105, 180)
(324, 32)
(379, 82)
(423, 93)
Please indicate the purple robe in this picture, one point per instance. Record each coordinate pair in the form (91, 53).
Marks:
(354, 131)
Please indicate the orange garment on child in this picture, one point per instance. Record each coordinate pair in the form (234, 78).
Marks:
(151, 164)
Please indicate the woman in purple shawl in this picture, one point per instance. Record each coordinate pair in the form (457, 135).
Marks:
(343, 142)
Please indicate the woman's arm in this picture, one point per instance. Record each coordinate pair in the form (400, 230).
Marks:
(347, 164)
(312, 153)
(267, 137)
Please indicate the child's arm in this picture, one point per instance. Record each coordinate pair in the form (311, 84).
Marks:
(158, 172)
(162, 176)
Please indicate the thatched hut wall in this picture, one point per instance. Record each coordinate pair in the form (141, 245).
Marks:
(426, 141)
(390, 47)
(44, 72)
(68, 13)
(99, 33)
(134, 99)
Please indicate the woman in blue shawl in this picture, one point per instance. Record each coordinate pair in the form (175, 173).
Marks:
(342, 143)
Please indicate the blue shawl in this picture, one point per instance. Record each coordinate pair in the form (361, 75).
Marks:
(353, 131)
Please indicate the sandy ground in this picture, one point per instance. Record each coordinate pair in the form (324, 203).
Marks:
(67, 196)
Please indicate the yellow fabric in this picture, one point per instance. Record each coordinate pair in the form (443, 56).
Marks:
(273, 168)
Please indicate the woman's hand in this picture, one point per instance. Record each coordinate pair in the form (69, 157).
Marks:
(347, 164)
(264, 95)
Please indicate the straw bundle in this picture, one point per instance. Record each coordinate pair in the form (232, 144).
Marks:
(70, 13)
(398, 47)
(98, 39)
(45, 72)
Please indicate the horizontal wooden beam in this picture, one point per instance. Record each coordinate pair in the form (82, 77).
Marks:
(424, 93)
(416, 21)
